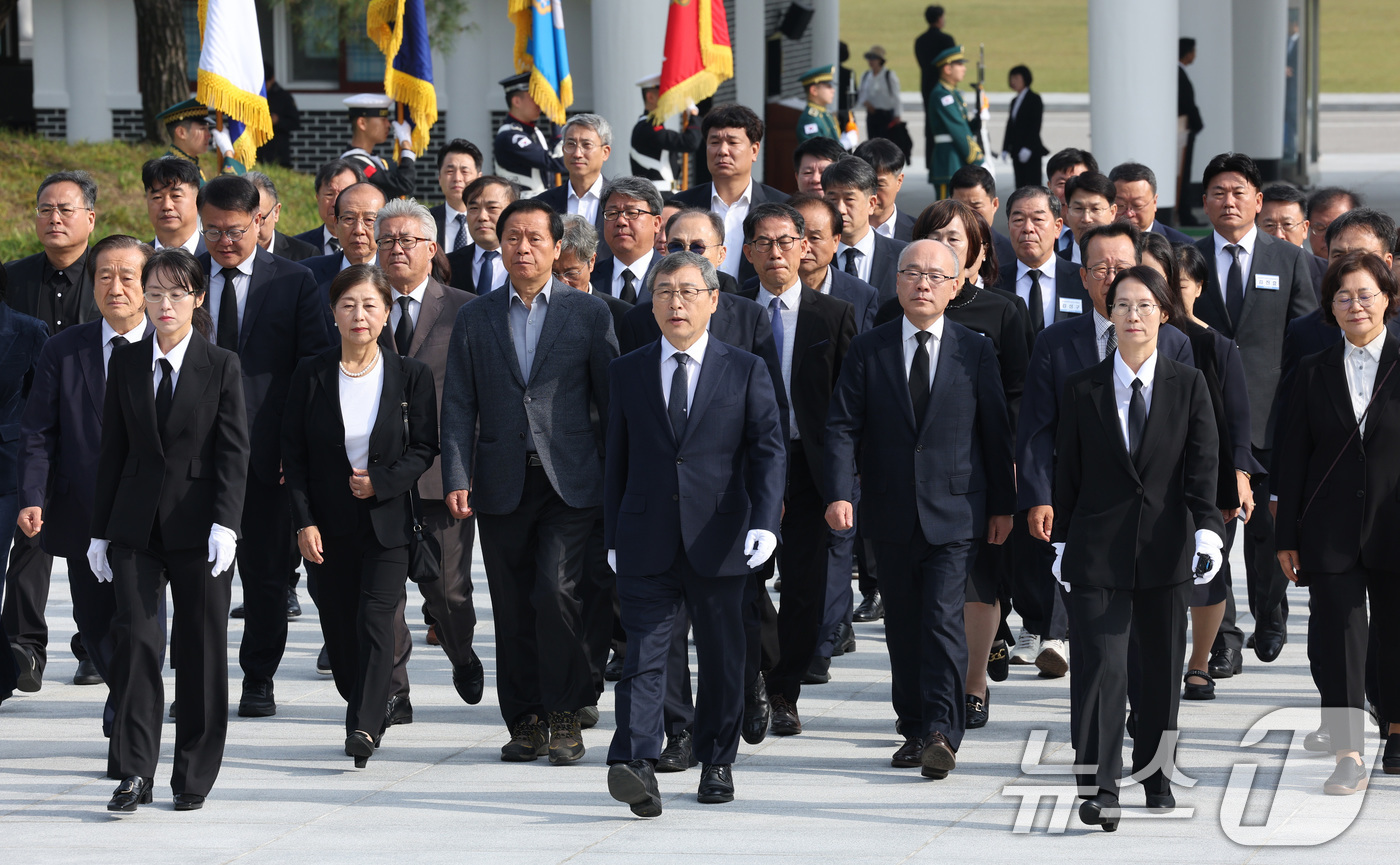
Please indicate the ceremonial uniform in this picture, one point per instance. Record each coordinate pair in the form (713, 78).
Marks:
(193, 109)
(397, 181)
(817, 121)
(954, 143)
(522, 154)
(654, 147)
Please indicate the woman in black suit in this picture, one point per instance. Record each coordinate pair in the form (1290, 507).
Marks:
(1338, 508)
(168, 502)
(1136, 464)
(1022, 141)
(350, 473)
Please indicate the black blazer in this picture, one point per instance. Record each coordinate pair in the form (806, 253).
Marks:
(1005, 253)
(290, 248)
(1170, 233)
(324, 268)
(1125, 523)
(1068, 284)
(1353, 517)
(313, 447)
(700, 195)
(601, 280)
(198, 476)
(903, 226)
(883, 265)
(285, 318)
(313, 238)
(557, 197)
(22, 341)
(26, 276)
(619, 309)
(463, 268)
(1023, 130)
(1319, 270)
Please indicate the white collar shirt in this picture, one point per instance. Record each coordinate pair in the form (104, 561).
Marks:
(586, 205)
(865, 249)
(240, 289)
(1123, 388)
(1362, 363)
(733, 216)
(1047, 285)
(911, 344)
(176, 356)
(1223, 259)
(696, 355)
(639, 272)
(109, 334)
(415, 305)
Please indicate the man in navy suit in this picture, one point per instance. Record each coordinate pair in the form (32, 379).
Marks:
(920, 412)
(975, 186)
(1050, 285)
(1136, 197)
(864, 253)
(631, 216)
(356, 208)
(888, 161)
(331, 179)
(172, 185)
(823, 221)
(271, 313)
(586, 147)
(692, 499)
(477, 267)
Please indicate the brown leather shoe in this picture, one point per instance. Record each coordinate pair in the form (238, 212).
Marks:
(785, 720)
(938, 758)
(565, 738)
(527, 741)
(433, 637)
(909, 755)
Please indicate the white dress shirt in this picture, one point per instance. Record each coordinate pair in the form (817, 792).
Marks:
(1123, 388)
(638, 268)
(359, 406)
(498, 270)
(911, 345)
(1047, 286)
(887, 227)
(176, 356)
(190, 245)
(415, 305)
(587, 205)
(450, 221)
(1017, 100)
(1223, 259)
(108, 334)
(733, 216)
(866, 247)
(788, 302)
(345, 262)
(1362, 363)
(326, 238)
(825, 287)
(1102, 328)
(240, 289)
(696, 353)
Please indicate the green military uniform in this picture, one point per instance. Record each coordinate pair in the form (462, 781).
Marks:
(954, 144)
(192, 109)
(818, 121)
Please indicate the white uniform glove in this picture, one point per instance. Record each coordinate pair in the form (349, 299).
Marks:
(612, 560)
(222, 143)
(759, 546)
(97, 560)
(403, 133)
(1055, 568)
(1023, 155)
(1208, 544)
(223, 543)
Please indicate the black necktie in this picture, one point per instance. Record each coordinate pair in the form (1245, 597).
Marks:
(333, 245)
(1110, 342)
(165, 394)
(403, 334)
(675, 405)
(851, 262)
(228, 311)
(629, 285)
(1234, 286)
(919, 377)
(461, 241)
(485, 276)
(1137, 419)
(118, 341)
(1037, 303)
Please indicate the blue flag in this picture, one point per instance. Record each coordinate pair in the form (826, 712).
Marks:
(541, 49)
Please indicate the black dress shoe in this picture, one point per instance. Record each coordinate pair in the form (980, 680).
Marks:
(1390, 760)
(999, 662)
(1268, 646)
(757, 711)
(785, 719)
(1349, 777)
(359, 746)
(588, 717)
(236, 613)
(398, 711)
(870, 609)
(679, 753)
(29, 675)
(172, 710)
(188, 801)
(293, 605)
(87, 674)
(1161, 803)
(1225, 663)
(323, 662)
(1319, 741)
(1101, 810)
(1249, 642)
(716, 784)
(937, 758)
(909, 755)
(470, 680)
(845, 640)
(818, 672)
(132, 791)
(975, 715)
(613, 671)
(635, 784)
(257, 700)
(1195, 691)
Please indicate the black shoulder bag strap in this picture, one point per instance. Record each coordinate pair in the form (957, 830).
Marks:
(1347, 443)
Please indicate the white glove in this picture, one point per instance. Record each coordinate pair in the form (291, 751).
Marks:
(1055, 568)
(612, 560)
(223, 543)
(403, 133)
(759, 546)
(1208, 544)
(222, 143)
(97, 560)
(1023, 155)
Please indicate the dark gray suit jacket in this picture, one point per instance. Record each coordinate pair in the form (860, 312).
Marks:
(487, 405)
(557, 197)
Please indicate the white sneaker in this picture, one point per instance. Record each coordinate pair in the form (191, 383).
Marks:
(1027, 648)
(1053, 659)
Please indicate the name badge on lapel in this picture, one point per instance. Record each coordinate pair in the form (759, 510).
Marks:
(1071, 304)
(1266, 281)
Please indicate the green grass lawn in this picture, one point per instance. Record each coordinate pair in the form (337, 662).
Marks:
(121, 202)
(1051, 37)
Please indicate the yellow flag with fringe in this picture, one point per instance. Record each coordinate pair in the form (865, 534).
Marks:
(400, 29)
(541, 50)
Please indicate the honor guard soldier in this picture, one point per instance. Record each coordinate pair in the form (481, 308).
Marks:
(817, 120)
(954, 143)
(191, 133)
(522, 154)
(370, 125)
(654, 146)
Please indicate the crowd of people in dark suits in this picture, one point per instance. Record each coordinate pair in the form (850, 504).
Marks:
(643, 407)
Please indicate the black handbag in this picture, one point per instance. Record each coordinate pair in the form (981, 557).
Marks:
(424, 551)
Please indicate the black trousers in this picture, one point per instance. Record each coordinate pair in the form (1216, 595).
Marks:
(27, 581)
(924, 587)
(267, 546)
(1267, 584)
(447, 602)
(1104, 620)
(534, 559)
(1026, 173)
(200, 604)
(1035, 595)
(9, 510)
(840, 596)
(1384, 590)
(598, 595)
(802, 559)
(649, 609)
(1337, 641)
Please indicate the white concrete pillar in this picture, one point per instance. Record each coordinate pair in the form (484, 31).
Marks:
(1132, 86)
(628, 38)
(1260, 44)
(1210, 23)
(50, 56)
(748, 33)
(88, 49)
(826, 32)
(466, 85)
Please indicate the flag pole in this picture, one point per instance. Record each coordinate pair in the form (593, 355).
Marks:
(219, 125)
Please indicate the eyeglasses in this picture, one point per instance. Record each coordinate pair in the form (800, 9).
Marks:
(158, 297)
(1344, 301)
(46, 211)
(580, 147)
(570, 276)
(689, 295)
(763, 245)
(350, 220)
(1123, 307)
(1271, 226)
(212, 235)
(919, 277)
(1106, 270)
(407, 243)
(1081, 211)
(695, 246)
(630, 214)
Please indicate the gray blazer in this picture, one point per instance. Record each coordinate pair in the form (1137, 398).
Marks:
(1266, 314)
(487, 406)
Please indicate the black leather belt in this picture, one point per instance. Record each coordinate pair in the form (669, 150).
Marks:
(533, 459)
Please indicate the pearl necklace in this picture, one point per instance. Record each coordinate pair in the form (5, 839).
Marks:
(364, 372)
